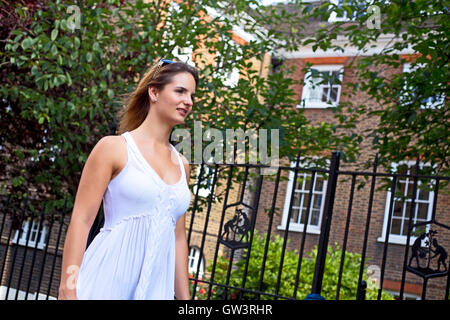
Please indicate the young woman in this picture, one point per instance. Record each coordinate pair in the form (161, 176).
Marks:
(141, 251)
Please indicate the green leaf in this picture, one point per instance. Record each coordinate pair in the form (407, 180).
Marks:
(26, 43)
(54, 34)
(54, 50)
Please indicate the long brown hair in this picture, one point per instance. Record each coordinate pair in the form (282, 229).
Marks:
(137, 103)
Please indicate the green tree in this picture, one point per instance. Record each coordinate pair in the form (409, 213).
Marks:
(63, 80)
(289, 274)
(412, 108)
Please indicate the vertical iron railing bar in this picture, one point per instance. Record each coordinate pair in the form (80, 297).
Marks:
(448, 282)
(9, 239)
(25, 250)
(3, 220)
(347, 227)
(326, 224)
(244, 184)
(286, 232)
(57, 248)
(19, 235)
(424, 288)
(47, 241)
(194, 205)
(255, 206)
(222, 218)
(227, 280)
(408, 236)
(388, 232)
(35, 249)
(305, 228)
(366, 232)
(202, 246)
(269, 230)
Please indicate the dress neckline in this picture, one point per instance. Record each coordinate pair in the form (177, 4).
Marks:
(150, 168)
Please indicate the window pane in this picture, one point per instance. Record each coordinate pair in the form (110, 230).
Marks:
(422, 212)
(314, 220)
(400, 189)
(315, 93)
(408, 209)
(294, 215)
(395, 226)
(305, 200)
(325, 95)
(317, 201)
(410, 190)
(307, 183)
(297, 198)
(423, 194)
(398, 209)
(319, 183)
(300, 181)
(303, 217)
(333, 94)
(405, 227)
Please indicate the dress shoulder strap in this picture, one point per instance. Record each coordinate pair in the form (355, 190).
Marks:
(180, 161)
(130, 145)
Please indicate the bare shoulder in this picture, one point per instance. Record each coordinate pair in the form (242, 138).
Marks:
(112, 150)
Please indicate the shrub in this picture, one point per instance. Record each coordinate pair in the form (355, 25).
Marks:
(286, 288)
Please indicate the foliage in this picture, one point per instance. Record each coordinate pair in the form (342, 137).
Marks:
(412, 108)
(62, 82)
(289, 273)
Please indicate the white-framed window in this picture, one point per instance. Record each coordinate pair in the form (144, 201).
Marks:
(301, 200)
(409, 92)
(31, 230)
(195, 257)
(322, 87)
(401, 206)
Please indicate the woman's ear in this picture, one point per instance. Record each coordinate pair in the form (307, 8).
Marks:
(153, 94)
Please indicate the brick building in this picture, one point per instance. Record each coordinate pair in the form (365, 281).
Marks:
(206, 224)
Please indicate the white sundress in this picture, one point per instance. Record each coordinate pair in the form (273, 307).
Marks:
(133, 255)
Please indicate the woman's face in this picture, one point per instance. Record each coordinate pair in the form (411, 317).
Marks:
(174, 102)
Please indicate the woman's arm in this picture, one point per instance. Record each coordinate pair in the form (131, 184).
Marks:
(181, 261)
(93, 183)
(181, 251)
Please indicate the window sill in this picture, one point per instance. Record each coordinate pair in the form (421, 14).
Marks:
(31, 245)
(397, 240)
(295, 227)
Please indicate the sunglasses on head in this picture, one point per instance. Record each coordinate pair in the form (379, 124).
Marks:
(161, 63)
(164, 62)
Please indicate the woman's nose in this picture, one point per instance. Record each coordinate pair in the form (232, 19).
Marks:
(188, 101)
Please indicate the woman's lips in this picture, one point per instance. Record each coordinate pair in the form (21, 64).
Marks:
(183, 112)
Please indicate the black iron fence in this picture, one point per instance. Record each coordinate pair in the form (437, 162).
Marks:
(301, 233)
